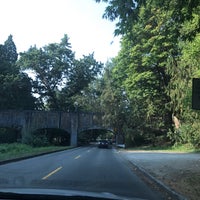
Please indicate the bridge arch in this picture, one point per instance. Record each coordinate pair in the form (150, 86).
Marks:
(30, 120)
(93, 134)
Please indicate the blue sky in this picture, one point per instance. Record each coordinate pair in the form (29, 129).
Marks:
(39, 22)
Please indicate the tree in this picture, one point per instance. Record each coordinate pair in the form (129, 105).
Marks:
(89, 98)
(15, 92)
(10, 50)
(51, 65)
(125, 12)
(82, 74)
(153, 65)
(8, 57)
(15, 87)
(114, 102)
(180, 89)
(59, 76)
(143, 58)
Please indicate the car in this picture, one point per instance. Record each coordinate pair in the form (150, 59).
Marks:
(103, 144)
(58, 194)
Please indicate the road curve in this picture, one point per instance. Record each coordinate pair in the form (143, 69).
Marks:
(84, 169)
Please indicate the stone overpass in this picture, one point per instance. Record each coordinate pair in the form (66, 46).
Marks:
(29, 121)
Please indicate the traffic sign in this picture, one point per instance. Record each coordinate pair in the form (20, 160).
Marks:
(196, 93)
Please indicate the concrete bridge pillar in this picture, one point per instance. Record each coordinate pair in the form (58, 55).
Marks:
(74, 128)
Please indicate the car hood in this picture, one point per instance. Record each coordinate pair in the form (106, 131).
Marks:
(34, 193)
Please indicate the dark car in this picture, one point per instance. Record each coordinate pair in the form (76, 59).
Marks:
(58, 194)
(103, 144)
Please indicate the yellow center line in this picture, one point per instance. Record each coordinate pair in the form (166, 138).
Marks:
(77, 157)
(51, 173)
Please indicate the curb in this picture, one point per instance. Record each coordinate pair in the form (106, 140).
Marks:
(157, 182)
(32, 156)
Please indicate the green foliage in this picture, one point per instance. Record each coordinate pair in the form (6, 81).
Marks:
(154, 69)
(89, 98)
(188, 133)
(114, 101)
(46, 137)
(133, 137)
(187, 67)
(60, 79)
(143, 59)
(15, 92)
(59, 76)
(83, 72)
(14, 147)
(17, 150)
(51, 65)
(39, 141)
(125, 11)
(15, 87)
(184, 148)
(9, 135)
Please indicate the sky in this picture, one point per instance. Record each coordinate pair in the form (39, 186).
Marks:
(40, 22)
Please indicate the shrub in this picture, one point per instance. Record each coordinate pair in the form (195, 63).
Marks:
(39, 141)
(36, 140)
(8, 135)
(186, 134)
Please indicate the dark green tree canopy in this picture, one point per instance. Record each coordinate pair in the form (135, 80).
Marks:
(126, 12)
(83, 72)
(15, 86)
(155, 66)
(58, 75)
(10, 50)
(8, 56)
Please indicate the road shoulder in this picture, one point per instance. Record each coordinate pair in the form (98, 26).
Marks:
(178, 173)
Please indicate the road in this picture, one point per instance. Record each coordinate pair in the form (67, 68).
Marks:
(83, 169)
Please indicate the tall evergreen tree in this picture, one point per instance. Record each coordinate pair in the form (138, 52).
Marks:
(15, 87)
(10, 50)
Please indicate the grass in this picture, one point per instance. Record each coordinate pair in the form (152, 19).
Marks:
(17, 150)
(187, 148)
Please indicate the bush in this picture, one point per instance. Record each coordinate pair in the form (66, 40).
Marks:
(47, 137)
(36, 140)
(14, 148)
(134, 139)
(8, 135)
(40, 141)
(186, 134)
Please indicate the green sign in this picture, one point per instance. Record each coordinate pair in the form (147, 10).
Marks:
(196, 93)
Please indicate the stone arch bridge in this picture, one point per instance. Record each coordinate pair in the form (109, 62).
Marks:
(29, 121)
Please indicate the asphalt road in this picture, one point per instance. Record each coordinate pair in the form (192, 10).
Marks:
(83, 169)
